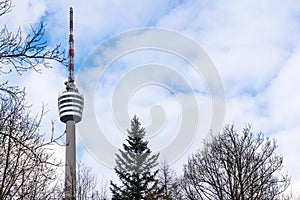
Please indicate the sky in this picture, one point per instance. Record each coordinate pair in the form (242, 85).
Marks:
(185, 68)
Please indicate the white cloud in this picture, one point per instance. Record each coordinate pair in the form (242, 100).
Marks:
(97, 20)
(23, 14)
(248, 41)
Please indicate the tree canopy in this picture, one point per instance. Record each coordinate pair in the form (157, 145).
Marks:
(235, 166)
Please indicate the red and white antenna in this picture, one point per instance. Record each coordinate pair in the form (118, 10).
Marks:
(71, 48)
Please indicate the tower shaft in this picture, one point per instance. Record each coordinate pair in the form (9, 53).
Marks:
(70, 166)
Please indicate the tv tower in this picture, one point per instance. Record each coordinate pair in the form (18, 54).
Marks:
(70, 106)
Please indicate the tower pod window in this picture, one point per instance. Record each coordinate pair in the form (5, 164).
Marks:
(70, 96)
(70, 100)
(64, 111)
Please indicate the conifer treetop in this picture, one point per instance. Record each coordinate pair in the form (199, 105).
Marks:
(135, 167)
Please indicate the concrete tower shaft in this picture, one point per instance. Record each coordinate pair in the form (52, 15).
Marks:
(70, 165)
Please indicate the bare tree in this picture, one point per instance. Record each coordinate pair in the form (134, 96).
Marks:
(87, 186)
(27, 170)
(170, 183)
(27, 52)
(235, 166)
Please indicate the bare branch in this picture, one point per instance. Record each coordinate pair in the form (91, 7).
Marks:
(28, 53)
(235, 166)
(5, 6)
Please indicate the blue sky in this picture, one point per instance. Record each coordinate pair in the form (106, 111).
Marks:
(254, 46)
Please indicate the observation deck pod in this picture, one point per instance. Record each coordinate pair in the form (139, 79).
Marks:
(70, 105)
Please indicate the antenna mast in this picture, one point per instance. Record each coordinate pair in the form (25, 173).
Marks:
(71, 49)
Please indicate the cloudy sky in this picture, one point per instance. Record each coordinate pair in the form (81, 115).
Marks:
(184, 67)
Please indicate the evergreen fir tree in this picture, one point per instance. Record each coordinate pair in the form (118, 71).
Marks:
(134, 167)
